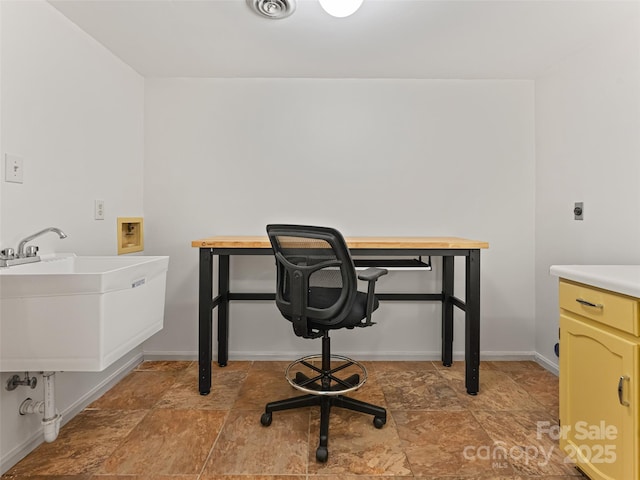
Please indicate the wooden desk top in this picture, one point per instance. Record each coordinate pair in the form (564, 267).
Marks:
(250, 241)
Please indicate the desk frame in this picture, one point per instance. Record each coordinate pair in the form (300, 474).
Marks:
(471, 305)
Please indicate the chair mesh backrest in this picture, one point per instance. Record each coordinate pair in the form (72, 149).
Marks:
(320, 258)
(295, 250)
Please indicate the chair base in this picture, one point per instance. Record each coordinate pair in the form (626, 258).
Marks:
(325, 395)
(325, 403)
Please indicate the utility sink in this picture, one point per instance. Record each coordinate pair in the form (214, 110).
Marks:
(78, 313)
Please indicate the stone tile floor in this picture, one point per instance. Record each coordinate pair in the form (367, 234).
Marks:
(155, 425)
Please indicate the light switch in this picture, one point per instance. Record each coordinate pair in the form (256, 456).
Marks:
(13, 168)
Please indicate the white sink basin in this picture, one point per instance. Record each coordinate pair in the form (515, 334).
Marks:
(76, 313)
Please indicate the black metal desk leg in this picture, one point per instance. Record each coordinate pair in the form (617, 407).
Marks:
(223, 310)
(447, 310)
(205, 318)
(472, 323)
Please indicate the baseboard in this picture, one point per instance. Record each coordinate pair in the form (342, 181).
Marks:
(20, 451)
(150, 356)
(266, 355)
(547, 364)
(371, 356)
(507, 356)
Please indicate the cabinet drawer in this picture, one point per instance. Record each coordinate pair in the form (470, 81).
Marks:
(608, 308)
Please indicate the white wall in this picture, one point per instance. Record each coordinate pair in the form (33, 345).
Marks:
(385, 157)
(74, 113)
(588, 149)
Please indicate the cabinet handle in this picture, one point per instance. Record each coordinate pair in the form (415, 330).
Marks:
(621, 389)
(586, 303)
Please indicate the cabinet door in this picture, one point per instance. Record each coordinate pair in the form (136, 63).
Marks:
(599, 423)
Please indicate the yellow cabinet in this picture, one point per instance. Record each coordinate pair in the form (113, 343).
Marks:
(599, 378)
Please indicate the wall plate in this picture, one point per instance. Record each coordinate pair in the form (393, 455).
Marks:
(13, 168)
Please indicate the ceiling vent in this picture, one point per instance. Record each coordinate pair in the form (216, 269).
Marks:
(272, 8)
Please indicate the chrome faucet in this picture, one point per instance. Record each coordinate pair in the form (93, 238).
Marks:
(22, 253)
(26, 254)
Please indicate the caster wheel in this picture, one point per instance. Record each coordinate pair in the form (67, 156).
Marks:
(379, 422)
(266, 418)
(322, 454)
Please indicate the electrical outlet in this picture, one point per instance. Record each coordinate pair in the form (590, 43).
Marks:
(13, 168)
(99, 210)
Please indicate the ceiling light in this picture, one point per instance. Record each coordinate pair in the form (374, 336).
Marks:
(340, 8)
(272, 8)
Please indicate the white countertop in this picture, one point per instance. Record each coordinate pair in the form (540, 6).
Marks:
(623, 279)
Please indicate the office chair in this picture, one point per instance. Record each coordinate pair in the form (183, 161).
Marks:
(317, 292)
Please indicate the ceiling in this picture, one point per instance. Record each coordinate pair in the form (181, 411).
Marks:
(384, 39)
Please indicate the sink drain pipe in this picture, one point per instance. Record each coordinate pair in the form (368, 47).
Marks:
(50, 416)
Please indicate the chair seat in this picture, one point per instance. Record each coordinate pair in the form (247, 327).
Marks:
(323, 297)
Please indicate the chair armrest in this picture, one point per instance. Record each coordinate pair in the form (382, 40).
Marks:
(372, 273)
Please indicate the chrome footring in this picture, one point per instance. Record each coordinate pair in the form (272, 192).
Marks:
(310, 358)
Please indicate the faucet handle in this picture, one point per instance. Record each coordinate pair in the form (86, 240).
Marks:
(7, 253)
(31, 251)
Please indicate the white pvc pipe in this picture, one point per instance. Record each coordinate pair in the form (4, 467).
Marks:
(50, 417)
